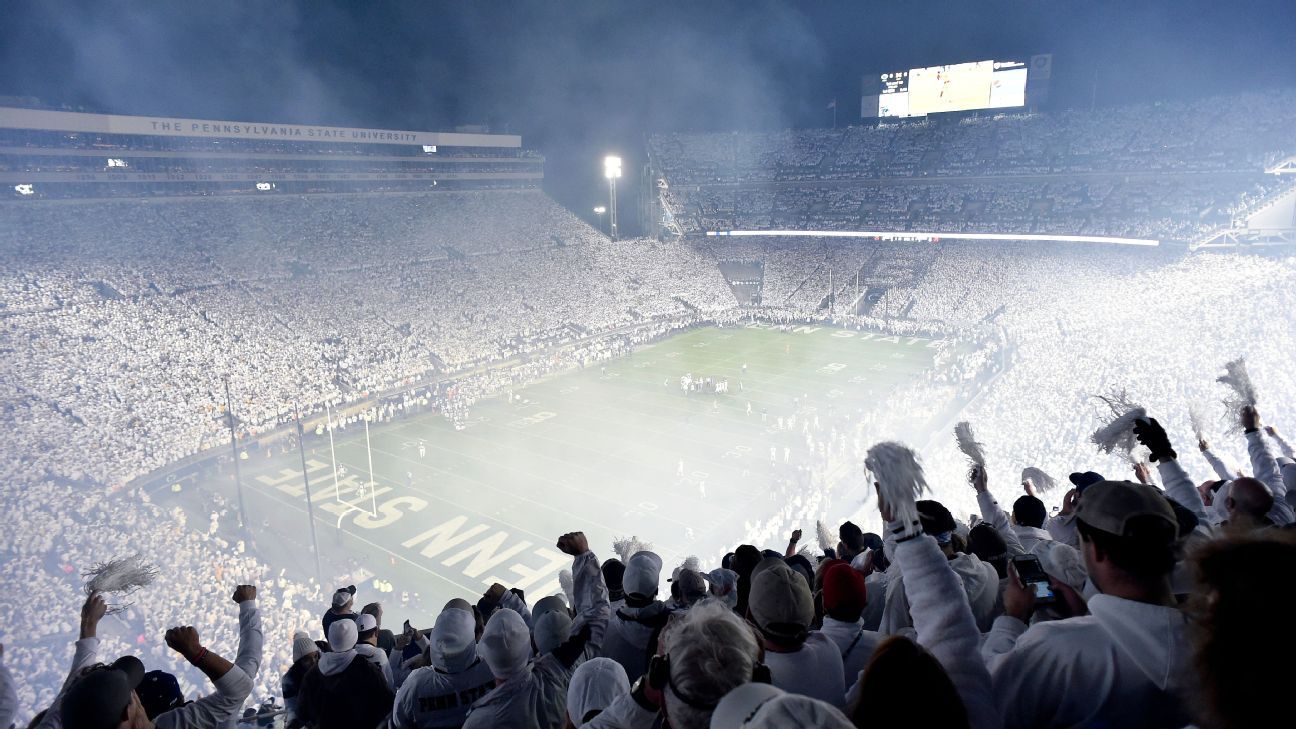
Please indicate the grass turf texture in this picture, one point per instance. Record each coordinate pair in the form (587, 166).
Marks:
(596, 450)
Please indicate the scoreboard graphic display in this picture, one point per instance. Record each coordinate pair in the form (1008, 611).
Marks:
(955, 87)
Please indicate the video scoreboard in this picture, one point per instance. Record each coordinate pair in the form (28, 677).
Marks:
(936, 89)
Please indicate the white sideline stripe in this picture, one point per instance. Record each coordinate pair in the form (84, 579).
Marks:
(893, 236)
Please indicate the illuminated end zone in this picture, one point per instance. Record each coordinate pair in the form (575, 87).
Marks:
(918, 237)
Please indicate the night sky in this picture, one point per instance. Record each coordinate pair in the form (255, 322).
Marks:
(579, 79)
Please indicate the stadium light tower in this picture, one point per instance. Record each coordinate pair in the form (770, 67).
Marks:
(612, 171)
(599, 210)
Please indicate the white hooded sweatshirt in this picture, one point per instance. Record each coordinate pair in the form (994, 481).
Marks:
(980, 582)
(1123, 665)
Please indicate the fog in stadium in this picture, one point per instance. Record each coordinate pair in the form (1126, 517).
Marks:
(393, 295)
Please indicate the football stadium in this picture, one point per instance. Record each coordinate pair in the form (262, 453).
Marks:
(504, 373)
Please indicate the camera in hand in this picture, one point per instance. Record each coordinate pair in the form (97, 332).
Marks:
(1033, 578)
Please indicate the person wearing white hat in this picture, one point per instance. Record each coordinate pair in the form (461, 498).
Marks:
(367, 646)
(305, 655)
(341, 692)
(631, 628)
(595, 684)
(340, 609)
(532, 693)
(439, 695)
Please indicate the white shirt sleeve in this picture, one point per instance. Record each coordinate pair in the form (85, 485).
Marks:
(210, 711)
(8, 698)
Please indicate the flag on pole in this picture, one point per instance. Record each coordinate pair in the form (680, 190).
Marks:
(832, 104)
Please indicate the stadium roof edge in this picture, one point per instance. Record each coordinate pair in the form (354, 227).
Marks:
(919, 236)
(73, 121)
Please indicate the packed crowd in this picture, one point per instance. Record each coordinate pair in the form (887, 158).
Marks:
(298, 301)
(1169, 171)
(1138, 604)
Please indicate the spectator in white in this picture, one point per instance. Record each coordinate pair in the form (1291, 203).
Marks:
(386, 639)
(305, 655)
(1125, 663)
(1026, 533)
(343, 599)
(706, 653)
(757, 705)
(844, 596)
(631, 628)
(106, 697)
(800, 661)
(343, 690)
(367, 646)
(532, 694)
(1265, 468)
(550, 624)
(595, 684)
(438, 696)
(8, 694)
(980, 580)
(941, 671)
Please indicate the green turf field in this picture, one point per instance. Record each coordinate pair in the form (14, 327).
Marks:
(597, 450)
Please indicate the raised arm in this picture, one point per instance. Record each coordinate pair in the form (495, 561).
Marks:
(590, 595)
(8, 694)
(945, 625)
(1178, 486)
(1216, 463)
(251, 639)
(85, 655)
(993, 514)
(232, 685)
(1283, 446)
(1265, 466)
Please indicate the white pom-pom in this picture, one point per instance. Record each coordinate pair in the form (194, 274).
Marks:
(627, 547)
(567, 584)
(900, 480)
(826, 540)
(968, 444)
(1197, 422)
(692, 563)
(119, 579)
(1243, 392)
(1118, 435)
(1042, 482)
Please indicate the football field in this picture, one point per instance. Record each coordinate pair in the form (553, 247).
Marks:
(610, 450)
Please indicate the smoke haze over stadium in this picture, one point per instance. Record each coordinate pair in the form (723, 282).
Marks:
(578, 79)
(931, 362)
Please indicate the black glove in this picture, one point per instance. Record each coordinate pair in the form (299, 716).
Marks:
(1150, 433)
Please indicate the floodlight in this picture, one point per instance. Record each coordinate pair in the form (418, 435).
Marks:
(612, 167)
(600, 210)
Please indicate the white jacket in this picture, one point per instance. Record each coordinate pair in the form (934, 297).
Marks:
(536, 698)
(945, 626)
(854, 643)
(251, 642)
(1060, 561)
(376, 656)
(980, 582)
(1123, 665)
(8, 698)
(1265, 468)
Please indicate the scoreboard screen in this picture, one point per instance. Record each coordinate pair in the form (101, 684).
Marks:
(956, 87)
